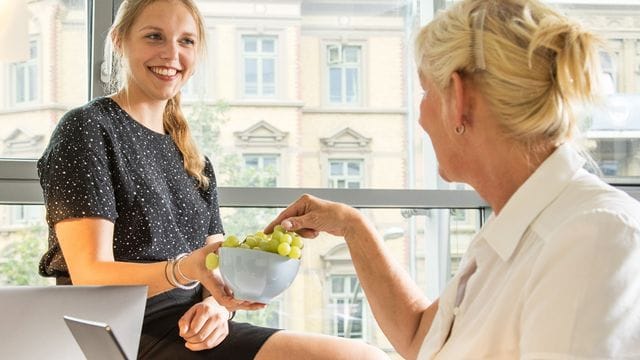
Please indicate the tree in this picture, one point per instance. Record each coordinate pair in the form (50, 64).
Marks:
(19, 259)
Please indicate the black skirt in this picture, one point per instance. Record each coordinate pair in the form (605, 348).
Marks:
(160, 337)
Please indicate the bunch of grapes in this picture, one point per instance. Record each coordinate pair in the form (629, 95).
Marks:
(285, 243)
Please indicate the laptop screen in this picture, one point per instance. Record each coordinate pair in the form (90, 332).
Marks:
(32, 325)
(97, 340)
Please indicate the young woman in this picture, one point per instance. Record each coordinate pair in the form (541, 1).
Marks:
(130, 200)
(553, 274)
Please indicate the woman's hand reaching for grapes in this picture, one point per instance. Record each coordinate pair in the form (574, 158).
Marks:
(309, 215)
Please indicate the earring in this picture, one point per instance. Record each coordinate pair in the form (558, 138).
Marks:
(460, 129)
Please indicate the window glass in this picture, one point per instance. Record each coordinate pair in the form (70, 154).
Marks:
(346, 303)
(260, 65)
(344, 74)
(23, 240)
(195, 90)
(24, 76)
(261, 170)
(41, 83)
(346, 174)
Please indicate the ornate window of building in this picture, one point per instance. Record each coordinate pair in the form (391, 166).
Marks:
(24, 77)
(262, 155)
(347, 154)
(344, 74)
(259, 59)
(265, 164)
(346, 304)
(346, 173)
(350, 316)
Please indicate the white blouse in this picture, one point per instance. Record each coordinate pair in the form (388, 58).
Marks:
(556, 275)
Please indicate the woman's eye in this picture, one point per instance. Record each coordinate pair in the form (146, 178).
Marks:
(188, 41)
(153, 36)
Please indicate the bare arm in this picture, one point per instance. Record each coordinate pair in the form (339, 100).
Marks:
(399, 306)
(87, 245)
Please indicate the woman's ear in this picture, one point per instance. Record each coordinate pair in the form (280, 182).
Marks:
(116, 42)
(459, 100)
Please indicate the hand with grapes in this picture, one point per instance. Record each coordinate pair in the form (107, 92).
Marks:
(280, 241)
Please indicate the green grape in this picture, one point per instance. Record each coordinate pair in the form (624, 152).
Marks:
(295, 252)
(297, 241)
(231, 241)
(286, 238)
(264, 245)
(251, 241)
(273, 245)
(284, 249)
(284, 243)
(211, 261)
(277, 235)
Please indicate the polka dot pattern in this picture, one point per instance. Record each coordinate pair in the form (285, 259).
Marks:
(100, 162)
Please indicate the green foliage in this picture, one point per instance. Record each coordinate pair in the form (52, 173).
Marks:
(19, 259)
(205, 122)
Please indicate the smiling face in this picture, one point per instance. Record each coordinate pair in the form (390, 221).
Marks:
(160, 51)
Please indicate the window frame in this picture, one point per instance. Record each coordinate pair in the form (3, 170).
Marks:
(260, 166)
(260, 57)
(328, 44)
(333, 179)
(35, 62)
(333, 302)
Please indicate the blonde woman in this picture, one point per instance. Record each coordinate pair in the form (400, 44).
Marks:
(554, 272)
(130, 200)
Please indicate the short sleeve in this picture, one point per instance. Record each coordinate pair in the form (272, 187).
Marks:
(74, 171)
(215, 224)
(582, 300)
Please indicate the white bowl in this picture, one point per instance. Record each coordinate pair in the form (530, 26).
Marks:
(256, 275)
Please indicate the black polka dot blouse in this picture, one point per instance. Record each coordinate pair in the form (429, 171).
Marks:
(102, 163)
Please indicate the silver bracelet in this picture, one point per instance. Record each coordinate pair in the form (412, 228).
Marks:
(175, 263)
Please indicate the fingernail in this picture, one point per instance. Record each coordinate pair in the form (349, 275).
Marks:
(287, 224)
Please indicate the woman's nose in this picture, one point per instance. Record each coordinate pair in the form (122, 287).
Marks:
(170, 51)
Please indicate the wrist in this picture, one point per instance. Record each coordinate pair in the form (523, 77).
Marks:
(193, 265)
(355, 225)
(230, 313)
(175, 275)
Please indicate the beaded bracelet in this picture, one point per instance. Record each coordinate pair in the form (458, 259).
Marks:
(171, 273)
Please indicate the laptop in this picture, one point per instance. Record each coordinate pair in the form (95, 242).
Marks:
(96, 339)
(32, 324)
